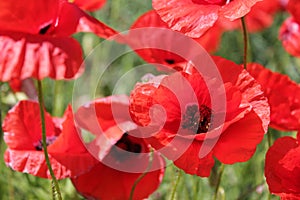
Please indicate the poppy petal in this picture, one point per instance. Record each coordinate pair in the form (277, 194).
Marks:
(88, 117)
(89, 5)
(274, 156)
(72, 19)
(293, 7)
(227, 152)
(33, 162)
(209, 40)
(14, 15)
(106, 183)
(25, 56)
(289, 35)
(237, 9)
(177, 14)
(283, 96)
(19, 131)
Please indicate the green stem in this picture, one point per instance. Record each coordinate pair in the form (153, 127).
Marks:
(175, 185)
(142, 175)
(44, 143)
(245, 36)
(219, 181)
(269, 145)
(1, 109)
(269, 139)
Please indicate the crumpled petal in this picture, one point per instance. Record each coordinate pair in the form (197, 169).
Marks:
(193, 18)
(187, 17)
(237, 9)
(260, 17)
(25, 55)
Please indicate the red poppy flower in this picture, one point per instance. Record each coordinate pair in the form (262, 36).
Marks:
(194, 17)
(290, 36)
(89, 5)
(39, 45)
(282, 168)
(289, 33)
(112, 144)
(283, 95)
(188, 126)
(22, 134)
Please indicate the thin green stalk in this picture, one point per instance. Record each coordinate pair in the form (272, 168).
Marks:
(142, 175)
(269, 137)
(1, 109)
(175, 185)
(44, 142)
(219, 181)
(245, 36)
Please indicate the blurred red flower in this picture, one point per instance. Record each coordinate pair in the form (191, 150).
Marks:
(113, 143)
(188, 125)
(289, 33)
(283, 96)
(209, 41)
(89, 5)
(39, 45)
(194, 17)
(22, 134)
(282, 168)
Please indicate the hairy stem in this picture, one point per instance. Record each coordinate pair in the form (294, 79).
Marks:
(1, 109)
(219, 181)
(142, 175)
(44, 143)
(175, 185)
(245, 37)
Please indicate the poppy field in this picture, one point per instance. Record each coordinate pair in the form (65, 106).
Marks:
(161, 99)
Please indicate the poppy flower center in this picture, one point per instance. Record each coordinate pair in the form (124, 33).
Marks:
(197, 120)
(211, 2)
(170, 61)
(49, 140)
(123, 146)
(44, 30)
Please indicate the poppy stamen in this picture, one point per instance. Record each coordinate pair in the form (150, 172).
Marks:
(49, 140)
(170, 61)
(197, 120)
(125, 145)
(44, 30)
